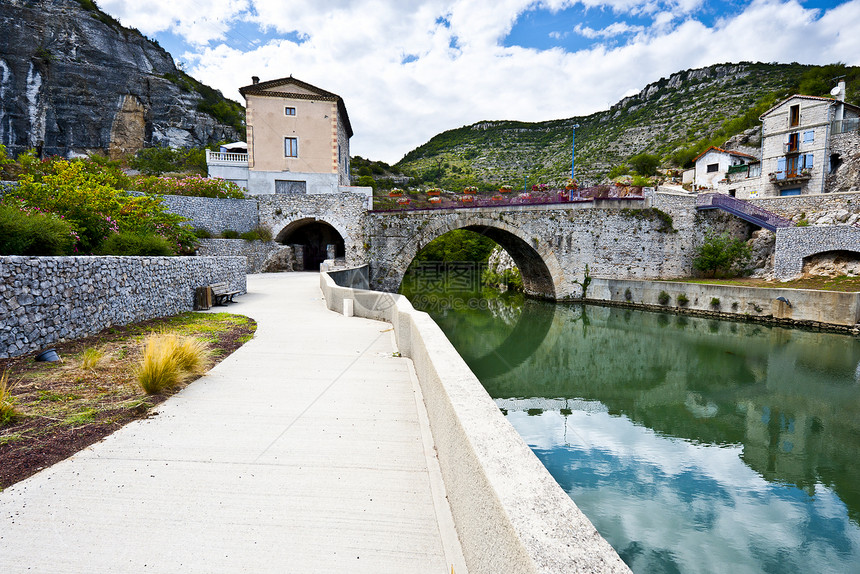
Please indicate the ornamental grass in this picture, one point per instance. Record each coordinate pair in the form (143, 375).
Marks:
(170, 359)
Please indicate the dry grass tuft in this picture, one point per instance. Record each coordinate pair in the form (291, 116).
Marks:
(169, 359)
(90, 359)
(7, 409)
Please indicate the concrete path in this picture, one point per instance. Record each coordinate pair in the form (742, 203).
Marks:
(307, 450)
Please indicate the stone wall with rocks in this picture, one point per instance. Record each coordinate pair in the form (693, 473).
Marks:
(846, 176)
(260, 255)
(44, 300)
(794, 244)
(214, 215)
(822, 209)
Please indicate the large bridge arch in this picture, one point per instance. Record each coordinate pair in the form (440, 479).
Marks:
(400, 240)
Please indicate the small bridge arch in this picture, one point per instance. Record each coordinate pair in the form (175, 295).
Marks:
(395, 251)
(315, 236)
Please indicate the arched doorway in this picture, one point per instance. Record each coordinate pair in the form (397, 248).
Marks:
(314, 241)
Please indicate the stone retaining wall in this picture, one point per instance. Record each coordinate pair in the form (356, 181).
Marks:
(510, 514)
(44, 300)
(256, 252)
(793, 244)
(215, 215)
(806, 306)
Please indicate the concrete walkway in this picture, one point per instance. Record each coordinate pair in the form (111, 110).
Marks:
(307, 450)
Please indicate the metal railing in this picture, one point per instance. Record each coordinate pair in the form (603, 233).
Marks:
(743, 209)
(222, 157)
(844, 126)
(448, 200)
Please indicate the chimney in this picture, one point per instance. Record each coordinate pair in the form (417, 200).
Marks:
(255, 79)
(841, 95)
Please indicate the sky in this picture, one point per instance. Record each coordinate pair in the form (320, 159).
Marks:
(410, 69)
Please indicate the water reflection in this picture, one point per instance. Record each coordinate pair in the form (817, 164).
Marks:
(693, 445)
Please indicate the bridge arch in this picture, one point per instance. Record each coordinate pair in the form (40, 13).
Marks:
(542, 274)
(314, 235)
(796, 245)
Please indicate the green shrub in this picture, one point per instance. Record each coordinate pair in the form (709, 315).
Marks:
(27, 231)
(229, 234)
(7, 406)
(259, 233)
(683, 300)
(628, 295)
(721, 253)
(202, 233)
(89, 194)
(715, 302)
(644, 163)
(663, 298)
(133, 244)
(194, 186)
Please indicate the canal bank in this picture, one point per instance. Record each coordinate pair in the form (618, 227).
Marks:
(826, 310)
(510, 514)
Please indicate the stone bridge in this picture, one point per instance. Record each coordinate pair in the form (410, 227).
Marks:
(551, 244)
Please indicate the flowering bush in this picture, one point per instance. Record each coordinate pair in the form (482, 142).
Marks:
(89, 195)
(470, 190)
(506, 189)
(28, 231)
(192, 186)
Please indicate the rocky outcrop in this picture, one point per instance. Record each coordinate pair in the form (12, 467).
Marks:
(73, 80)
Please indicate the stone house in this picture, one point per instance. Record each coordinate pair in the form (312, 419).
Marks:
(796, 142)
(297, 141)
(715, 167)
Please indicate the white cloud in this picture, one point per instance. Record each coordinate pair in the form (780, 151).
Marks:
(461, 72)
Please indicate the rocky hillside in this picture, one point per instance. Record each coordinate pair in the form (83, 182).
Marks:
(674, 118)
(72, 80)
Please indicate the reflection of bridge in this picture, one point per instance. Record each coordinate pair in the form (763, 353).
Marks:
(538, 404)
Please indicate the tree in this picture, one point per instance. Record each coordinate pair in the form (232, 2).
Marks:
(722, 253)
(644, 163)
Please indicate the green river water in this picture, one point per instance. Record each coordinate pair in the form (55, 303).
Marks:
(693, 445)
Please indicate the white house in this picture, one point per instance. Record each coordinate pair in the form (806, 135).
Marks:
(714, 164)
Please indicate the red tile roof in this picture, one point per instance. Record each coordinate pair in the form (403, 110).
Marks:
(719, 149)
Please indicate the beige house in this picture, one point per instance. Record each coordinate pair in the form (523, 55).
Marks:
(297, 141)
(796, 142)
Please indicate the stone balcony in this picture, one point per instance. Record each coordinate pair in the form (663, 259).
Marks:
(787, 178)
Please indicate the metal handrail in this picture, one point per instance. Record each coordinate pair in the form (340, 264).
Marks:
(743, 209)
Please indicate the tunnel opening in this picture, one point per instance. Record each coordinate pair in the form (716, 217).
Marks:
(313, 241)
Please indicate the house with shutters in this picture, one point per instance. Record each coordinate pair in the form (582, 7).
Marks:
(716, 168)
(297, 141)
(796, 142)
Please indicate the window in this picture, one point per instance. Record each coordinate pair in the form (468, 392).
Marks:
(807, 161)
(755, 170)
(291, 147)
(793, 191)
(808, 136)
(793, 142)
(794, 115)
(290, 187)
(732, 192)
(289, 111)
(712, 167)
(791, 165)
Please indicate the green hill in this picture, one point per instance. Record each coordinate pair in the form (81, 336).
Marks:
(674, 118)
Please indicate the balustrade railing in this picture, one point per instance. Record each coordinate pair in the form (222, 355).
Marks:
(228, 157)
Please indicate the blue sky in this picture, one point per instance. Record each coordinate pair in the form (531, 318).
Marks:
(410, 69)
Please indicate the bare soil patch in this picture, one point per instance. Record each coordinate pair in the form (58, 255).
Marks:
(63, 407)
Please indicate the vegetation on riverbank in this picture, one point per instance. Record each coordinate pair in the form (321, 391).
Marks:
(62, 407)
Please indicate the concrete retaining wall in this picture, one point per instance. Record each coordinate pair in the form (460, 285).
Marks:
(510, 514)
(44, 300)
(827, 307)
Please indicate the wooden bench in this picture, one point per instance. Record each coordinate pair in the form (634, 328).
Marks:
(221, 294)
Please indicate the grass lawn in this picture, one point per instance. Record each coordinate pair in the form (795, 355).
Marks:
(63, 407)
(842, 283)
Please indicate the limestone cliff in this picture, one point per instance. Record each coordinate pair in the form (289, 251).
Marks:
(73, 80)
